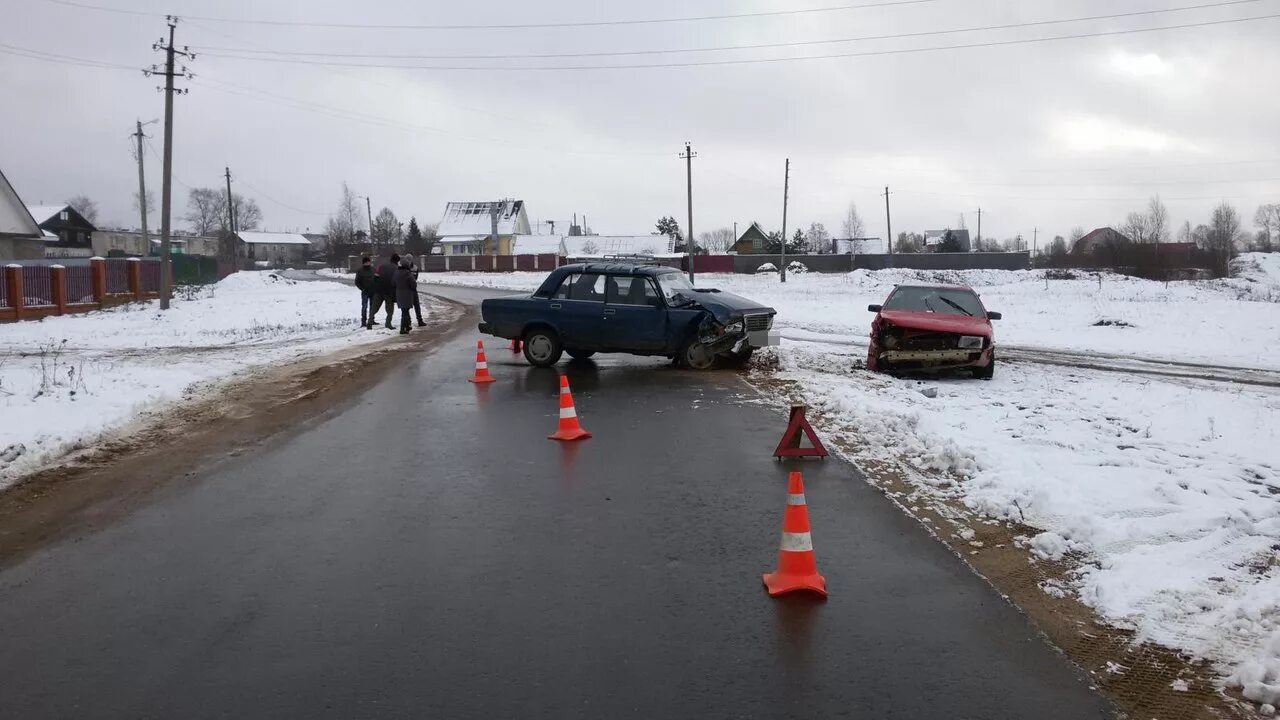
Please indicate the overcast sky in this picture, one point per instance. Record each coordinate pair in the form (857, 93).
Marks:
(1048, 135)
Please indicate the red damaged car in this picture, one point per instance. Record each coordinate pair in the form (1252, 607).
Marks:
(931, 328)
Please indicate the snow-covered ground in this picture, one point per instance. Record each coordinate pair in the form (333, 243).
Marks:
(1165, 494)
(64, 380)
(1222, 322)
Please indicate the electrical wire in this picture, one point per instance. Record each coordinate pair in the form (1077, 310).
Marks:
(242, 181)
(504, 26)
(63, 59)
(724, 48)
(754, 61)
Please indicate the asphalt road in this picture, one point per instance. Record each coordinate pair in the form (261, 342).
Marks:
(427, 552)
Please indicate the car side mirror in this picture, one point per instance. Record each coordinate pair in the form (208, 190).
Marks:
(873, 308)
(993, 315)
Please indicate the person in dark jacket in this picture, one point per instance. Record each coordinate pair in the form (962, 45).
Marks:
(406, 292)
(385, 290)
(417, 299)
(364, 283)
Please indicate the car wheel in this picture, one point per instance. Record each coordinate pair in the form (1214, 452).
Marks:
(542, 347)
(580, 354)
(696, 356)
(988, 372)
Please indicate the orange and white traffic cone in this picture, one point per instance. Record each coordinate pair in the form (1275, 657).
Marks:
(797, 568)
(515, 345)
(569, 427)
(482, 366)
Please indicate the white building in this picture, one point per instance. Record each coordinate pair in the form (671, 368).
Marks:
(467, 227)
(273, 247)
(20, 237)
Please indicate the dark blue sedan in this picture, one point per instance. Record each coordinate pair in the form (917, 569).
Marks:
(639, 309)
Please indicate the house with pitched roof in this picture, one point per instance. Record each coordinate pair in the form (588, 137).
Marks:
(67, 233)
(20, 237)
(467, 228)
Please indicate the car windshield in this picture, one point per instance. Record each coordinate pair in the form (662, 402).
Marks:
(675, 288)
(948, 301)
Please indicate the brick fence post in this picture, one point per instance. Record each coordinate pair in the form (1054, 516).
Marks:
(135, 278)
(13, 283)
(58, 287)
(98, 279)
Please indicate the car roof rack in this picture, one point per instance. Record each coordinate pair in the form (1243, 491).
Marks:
(633, 259)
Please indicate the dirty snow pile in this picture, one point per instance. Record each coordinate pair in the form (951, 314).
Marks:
(1165, 495)
(64, 380)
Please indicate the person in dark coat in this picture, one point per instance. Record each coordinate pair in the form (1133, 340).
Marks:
(365, 284)
(385, 290)
(417, 299)
(406, 292)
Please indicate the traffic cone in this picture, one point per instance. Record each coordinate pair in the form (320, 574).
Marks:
(515, 345)
(569, 427)
(482, 366)
(797, 568)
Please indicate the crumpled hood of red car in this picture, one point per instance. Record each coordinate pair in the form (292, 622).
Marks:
(937, 322)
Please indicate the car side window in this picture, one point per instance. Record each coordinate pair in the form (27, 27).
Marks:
(562, 292)
(632, 290)
(588, 287)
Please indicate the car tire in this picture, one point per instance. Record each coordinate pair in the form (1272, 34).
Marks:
(696, 356)
(988, 372)
(542, 347)
(580, 354)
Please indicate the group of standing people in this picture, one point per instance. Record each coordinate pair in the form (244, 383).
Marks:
(393, 283)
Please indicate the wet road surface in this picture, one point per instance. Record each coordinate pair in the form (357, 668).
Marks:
(427, 552)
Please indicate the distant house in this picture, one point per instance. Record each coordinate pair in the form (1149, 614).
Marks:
(933, 239)
(752, 240)
(1100, 239)
(467, 227)
(274, 248)
(857, 246)
(20, 236)
(594, 246)
(67, 233)
(537, 245)
(130, 243)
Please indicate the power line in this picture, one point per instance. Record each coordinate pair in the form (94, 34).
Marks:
(505, 26)
(240, 179)
(213, 50)
(755, 61)
(63, 59)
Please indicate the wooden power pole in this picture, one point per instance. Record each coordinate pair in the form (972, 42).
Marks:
(231, 207)
(166, 186)
(142, 189)
(786, 190)
(688, 156)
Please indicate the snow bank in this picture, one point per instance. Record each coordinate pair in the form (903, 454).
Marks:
(1165, 495)
(66, 379)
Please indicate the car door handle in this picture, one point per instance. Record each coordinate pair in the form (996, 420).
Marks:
(555, 306)
(610, 311)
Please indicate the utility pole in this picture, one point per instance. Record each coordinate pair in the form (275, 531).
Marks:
(786, 189)
(166, 268)
(368, 208)
(1035, 240)
(979, 243)
(142, 189)
(888, 226)
(231, 206)
(688, 156)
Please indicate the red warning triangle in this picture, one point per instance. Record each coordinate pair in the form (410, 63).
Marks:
(797, 429)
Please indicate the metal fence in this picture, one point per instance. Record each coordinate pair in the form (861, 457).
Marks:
(36, 287)
(4, 290)
(80, 284)
(149, 274)
(117, 276)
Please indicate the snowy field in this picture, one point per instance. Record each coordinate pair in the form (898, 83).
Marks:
(64, 380)
(1162, 494)
(1223, 322)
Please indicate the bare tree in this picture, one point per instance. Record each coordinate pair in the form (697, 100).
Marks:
(342, 224)
(718, 240)
(248, 214)
(852, 225)
(386, 228)
(1267, 218)
(1185, 235)
(1222, 236)
(819, 239)
(87, 207)
(151, 202)
(1157, 221)
(1136, 227)
(204, 210)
